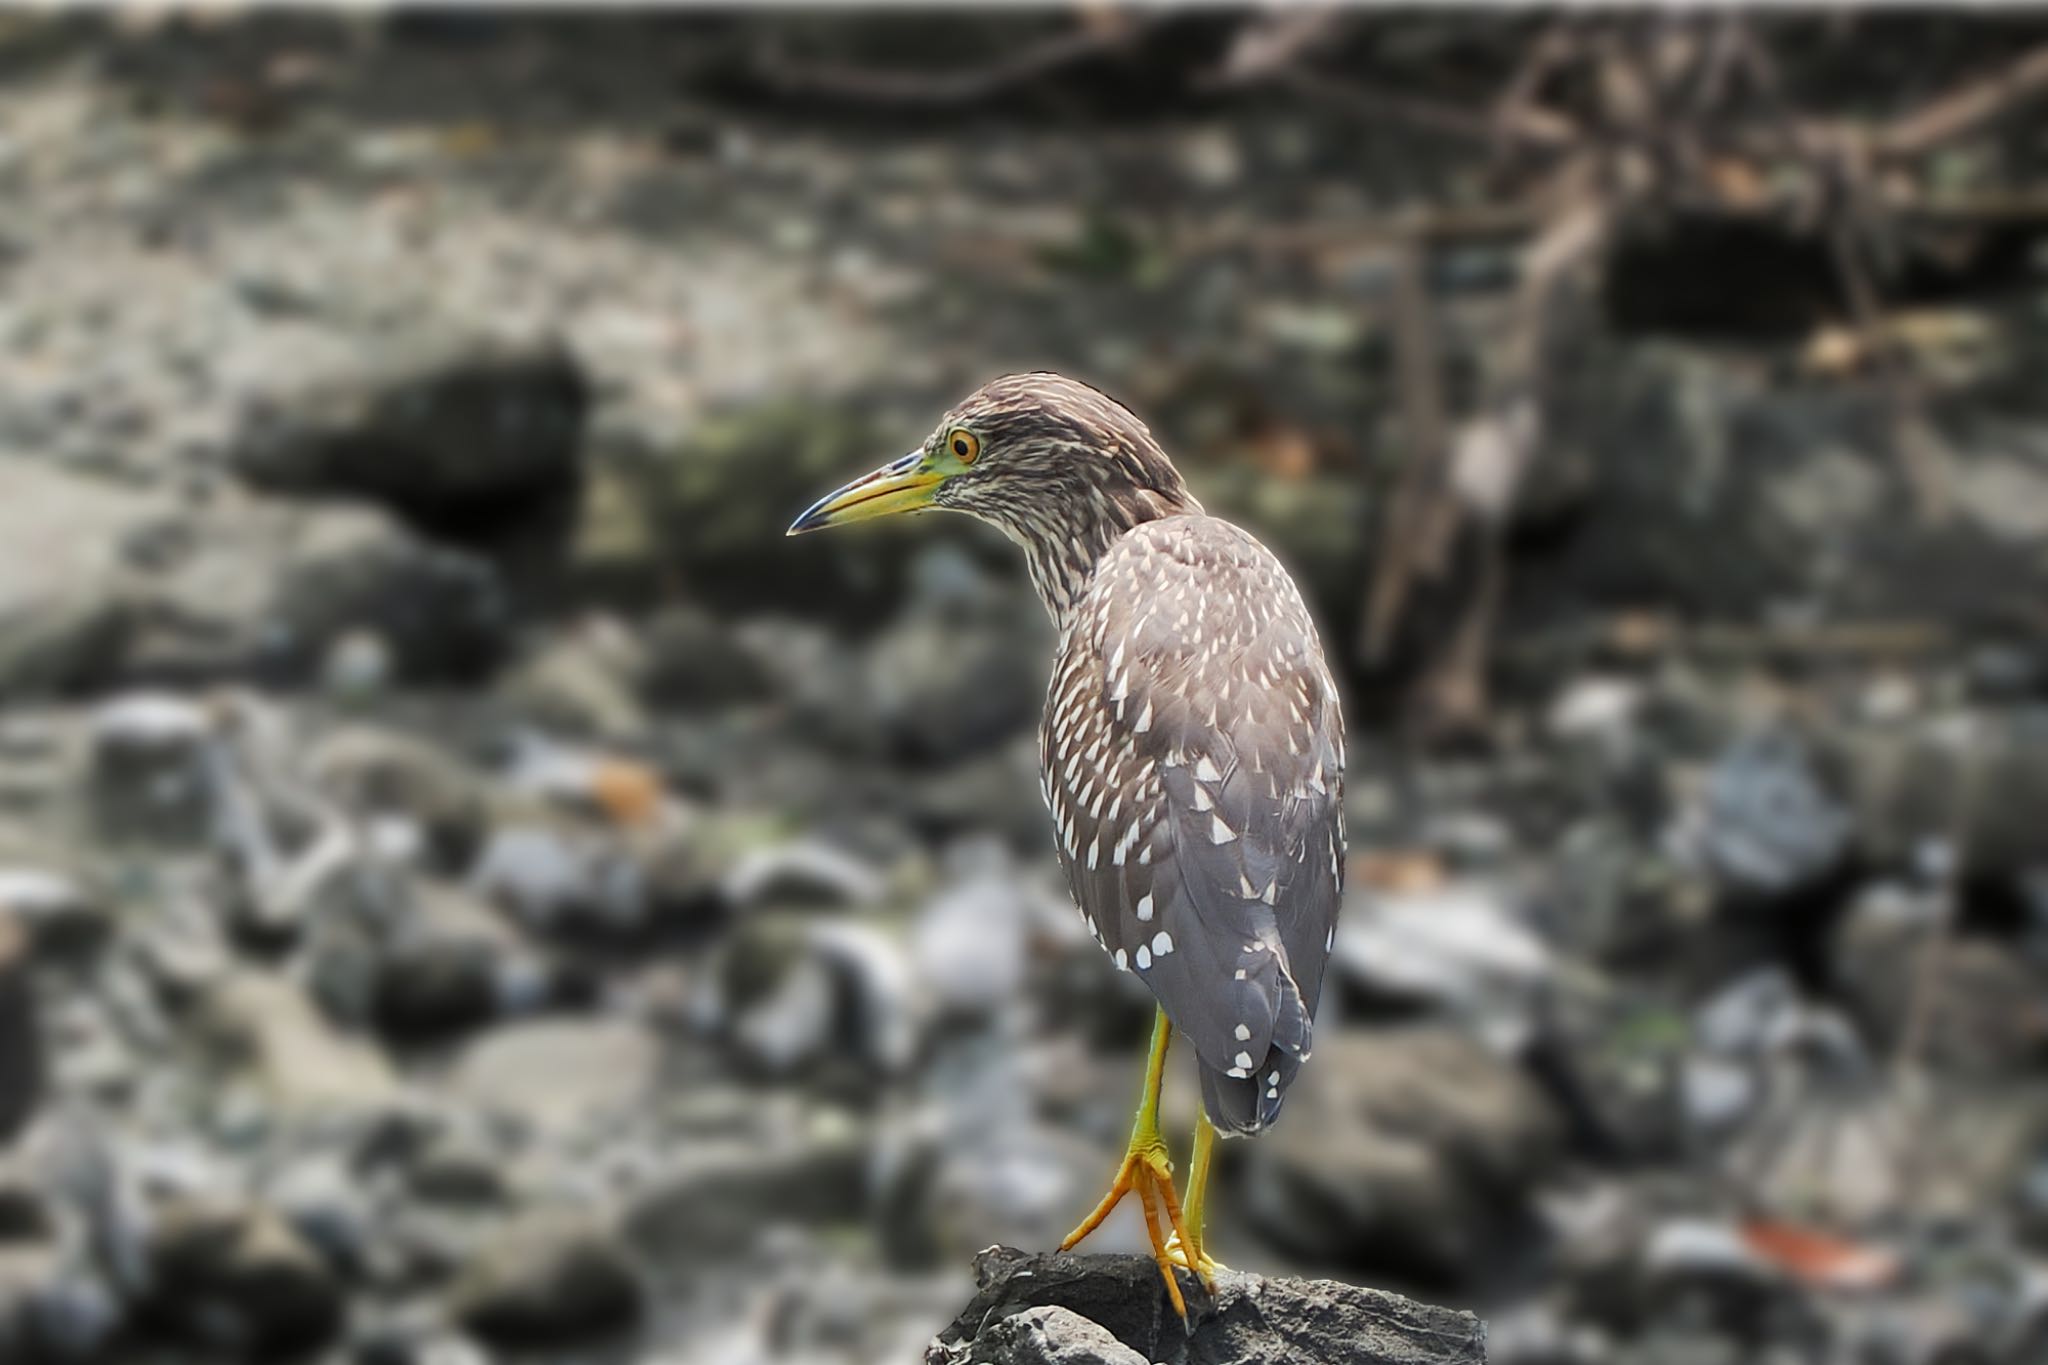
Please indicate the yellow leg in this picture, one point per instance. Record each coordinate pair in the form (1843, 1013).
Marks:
(1192, 1250)
(1147, 1172)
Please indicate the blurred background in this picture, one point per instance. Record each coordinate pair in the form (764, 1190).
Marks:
(470, 890)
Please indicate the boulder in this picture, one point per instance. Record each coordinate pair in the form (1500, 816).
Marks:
(451, 430)
(549, 1277)
(23, 1066)
(377, 773)
(723, 1194)
(1415, 1150)
(107, 581)
(237, 1277)
(1037, 1310)
(255, 587)
(557, 1073)
(1050, 1335)
(66, 605)
(265, 1028)
(149, 778)
(1764, 495)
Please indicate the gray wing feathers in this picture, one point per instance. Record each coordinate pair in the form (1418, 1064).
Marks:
(1192, 753)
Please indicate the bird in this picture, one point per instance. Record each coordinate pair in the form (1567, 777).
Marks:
(1191, 752)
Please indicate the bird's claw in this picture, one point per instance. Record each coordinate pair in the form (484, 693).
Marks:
(1202, 1266)
(1148, 1173)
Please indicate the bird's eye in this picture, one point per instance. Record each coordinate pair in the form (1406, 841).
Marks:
(965, 446)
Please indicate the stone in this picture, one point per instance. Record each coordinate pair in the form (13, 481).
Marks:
(948, 682)
(1767, 823)
(694, 660)
(263, 1026)
(149, 777)
(969, 944)
(1769, 495)
(379, 773)
(582, 684)
(710, 497)
(1050, 1335)
(64, 919)
(550, 1277)
(1414, 1150)
(253, 588)
(1977, 1000)
(801, 872)
(1456, 948)
(452, 430)
(66, 603)
(237, 1277)
(722, 1194)
(557, 879)
(23, 1064)
(1970, 785)
(1252, 1319)
(558, 1073)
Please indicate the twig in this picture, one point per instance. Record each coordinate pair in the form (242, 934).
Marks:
(1972, 103)
(1404, 532)
(1532, 126)
(1920, 459)
(1266, 45)
(926, 89)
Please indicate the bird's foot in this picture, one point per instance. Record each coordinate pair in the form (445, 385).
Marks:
(1148, 1173)
(1201, 1265)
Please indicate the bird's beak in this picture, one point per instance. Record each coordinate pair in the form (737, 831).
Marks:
(903, 485)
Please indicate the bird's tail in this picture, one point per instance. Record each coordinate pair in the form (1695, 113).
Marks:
(1241, 1105)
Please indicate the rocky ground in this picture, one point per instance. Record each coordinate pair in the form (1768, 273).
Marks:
(473, 891)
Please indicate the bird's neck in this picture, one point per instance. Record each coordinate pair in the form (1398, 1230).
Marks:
(1065, 542)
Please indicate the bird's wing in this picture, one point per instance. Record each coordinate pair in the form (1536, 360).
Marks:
(1193, 760)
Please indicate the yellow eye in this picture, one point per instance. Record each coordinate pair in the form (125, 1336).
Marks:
(966, 447)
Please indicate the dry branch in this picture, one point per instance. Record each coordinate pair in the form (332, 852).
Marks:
(1971, 104)
(929, 89)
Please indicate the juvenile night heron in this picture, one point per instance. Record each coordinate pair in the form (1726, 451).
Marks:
(1191, 753)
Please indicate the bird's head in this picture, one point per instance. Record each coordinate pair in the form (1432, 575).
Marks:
(1039, 455)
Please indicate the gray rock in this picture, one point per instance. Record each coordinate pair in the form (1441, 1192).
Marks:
(1251, 1319)
(694, 660)
(797, 990)
(237, 1277)
(63, 918)
(1049, 1335)
(724, 1194)
(254, 588)
(66, 606)
(558, 1073)
(149, 768)
(1968, 783)
(1766, 824)
(710, 495)
(969, 944)
(264, 1028)
(1769, 494)
(53, 1307)
(1414, 1150)
(23, 1065)
(945, 684)
(562, 880)
(550, 1277)
(1977, 1001)
(585, 683)
(801, 872)
(376, 773)
(449, 429)
(1457, 948)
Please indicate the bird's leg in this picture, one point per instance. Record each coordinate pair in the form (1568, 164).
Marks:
(1189, 1249)
(1147, 1172)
